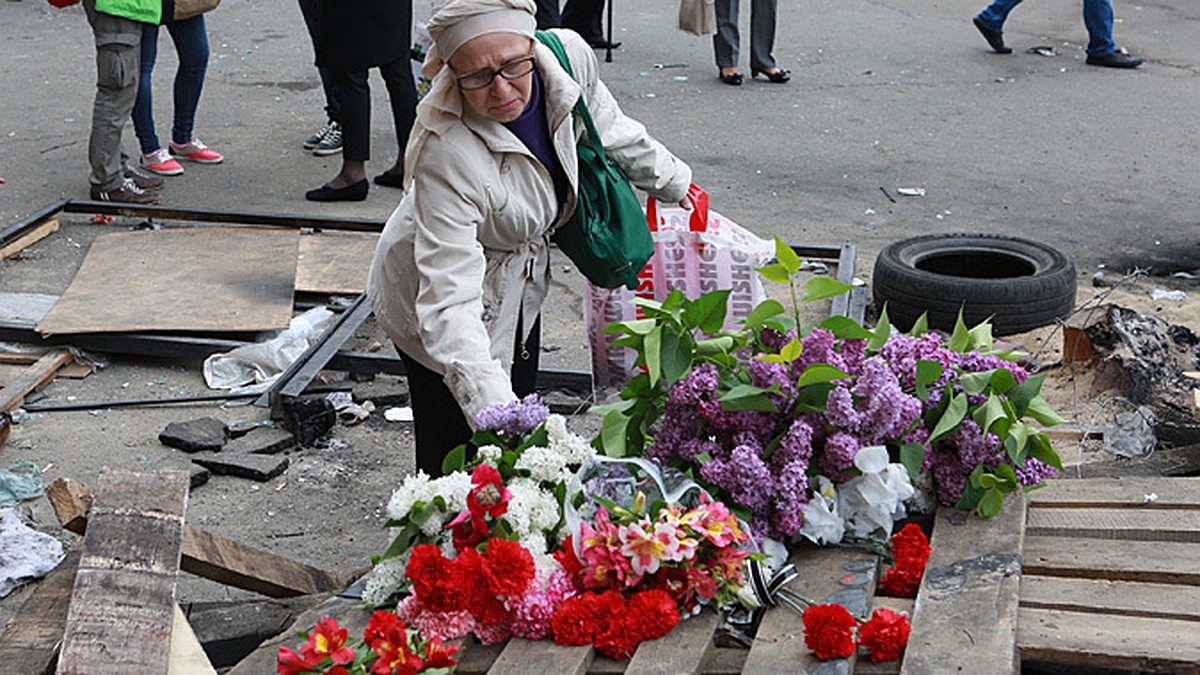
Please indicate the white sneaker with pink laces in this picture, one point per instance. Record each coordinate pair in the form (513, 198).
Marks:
(160, 162)
(196, 151)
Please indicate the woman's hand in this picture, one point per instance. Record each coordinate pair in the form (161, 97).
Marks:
(685, 204)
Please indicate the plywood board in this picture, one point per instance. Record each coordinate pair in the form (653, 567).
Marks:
(30, 238)
(335, 262)
(219, 279)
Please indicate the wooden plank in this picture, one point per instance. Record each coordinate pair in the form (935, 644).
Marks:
(1121, 523)
(724, 661)
(1145, 561)
(1106, 596)
(1142, 492)
(34, 377)
(348, 612)
(224, 279)
(965, 616)
(187, 657)
(843, 575)
(209, 555)
(1140, 644)
(30, 238)
(679, 652)
(335, 262)
(521, 657)
(123, 603)
(30, 644)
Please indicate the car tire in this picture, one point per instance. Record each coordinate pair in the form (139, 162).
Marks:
(1019, 284)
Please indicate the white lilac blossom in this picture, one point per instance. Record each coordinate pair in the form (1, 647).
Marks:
(822, 523)
(574, 449)
(531, 508)
(875, 499)
(419, 488)
(544, 464)
(385, 579)
(489, 454)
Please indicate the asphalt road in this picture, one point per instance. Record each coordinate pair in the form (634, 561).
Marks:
(885, 94)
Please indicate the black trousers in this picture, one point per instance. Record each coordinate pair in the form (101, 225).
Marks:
(583, 17)
(438, 423)
(355, 96)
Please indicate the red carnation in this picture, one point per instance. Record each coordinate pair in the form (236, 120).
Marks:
(429, 572)
(884, 635)
(829, 631)
(911, 550)
(386, 626)
(618, 641)
(652, 614)
(574, 622)
(470, 577)
(508, 567)
(570, 562)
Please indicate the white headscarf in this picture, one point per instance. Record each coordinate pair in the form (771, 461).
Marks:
(451, 26)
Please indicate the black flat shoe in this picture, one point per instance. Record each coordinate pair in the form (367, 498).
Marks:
(605, 44)
(389, 179)
(351, 193)
(732, 78)
(1114, 60)
(995, 38)
(780, 75)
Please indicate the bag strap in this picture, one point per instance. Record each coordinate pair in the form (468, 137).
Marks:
(551, 40)
(697, 222)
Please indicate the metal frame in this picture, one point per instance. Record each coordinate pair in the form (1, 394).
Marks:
(325, 352)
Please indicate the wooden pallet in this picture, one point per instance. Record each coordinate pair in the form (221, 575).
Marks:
(974, 571)
(1111, 575)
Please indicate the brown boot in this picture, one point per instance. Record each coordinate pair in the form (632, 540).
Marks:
(144, 181)
(128, 193)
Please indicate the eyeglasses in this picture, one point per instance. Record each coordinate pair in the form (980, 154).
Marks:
(509, 71)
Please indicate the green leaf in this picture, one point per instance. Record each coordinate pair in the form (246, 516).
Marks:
(455, 460)
(612, 434)
(707, 312)
(792, 350)
(883, 331)
(920, 326)
(820, 373)
(1041, 450)
(987, 481)
(971, 493)
(960, 339)
(676, 358)
(765, 310)
(636, 327)
(845, 328)
(1006, 478)
(990, 504)
(948, 424)
(652, 351)
(775, 272)
(975, 383)
(989, 412)
(812, 398)
(819, 288)
(1021, 396)
(1041, 411)
(747, 397)
(912, 456)
(928, 372)
(786, 256)
(981, 336)
(1017, 441)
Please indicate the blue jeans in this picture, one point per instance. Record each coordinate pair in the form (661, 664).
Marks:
(1097, 18)
(191, 44)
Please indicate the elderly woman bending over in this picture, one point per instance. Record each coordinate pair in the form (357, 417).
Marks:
(462, 267)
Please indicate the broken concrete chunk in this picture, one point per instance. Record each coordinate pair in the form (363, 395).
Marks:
(200, 435)
(261, 468)
(197, 476)
(262, 441)
(308, 418)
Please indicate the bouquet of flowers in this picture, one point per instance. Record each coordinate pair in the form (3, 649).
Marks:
(388, 647)
(774, 418)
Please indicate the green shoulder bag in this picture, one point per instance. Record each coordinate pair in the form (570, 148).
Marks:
(607, 237)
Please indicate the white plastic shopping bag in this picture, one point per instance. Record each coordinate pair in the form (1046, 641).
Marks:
(696, 251)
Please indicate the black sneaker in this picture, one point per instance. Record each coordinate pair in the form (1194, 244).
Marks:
(128, 193)
(318, 135)
(331, 142)
(995, 38)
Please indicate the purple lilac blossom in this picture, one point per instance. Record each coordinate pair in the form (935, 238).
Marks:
(886, 412)
(902, 352)
(513, 418)
(1035, 471)
(840, 449)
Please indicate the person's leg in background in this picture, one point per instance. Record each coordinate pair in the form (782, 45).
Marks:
(1101, 50)
(402, 93)
(762, 41)
(547, 14)
(583, 17)
(328, 139)
(350, 184)
(118, 43)
(143, 107)
(725, 41)
(990, 23)
(191, 44)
